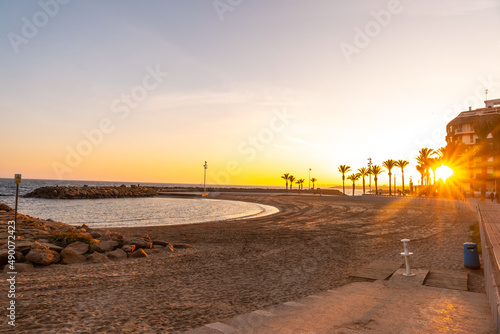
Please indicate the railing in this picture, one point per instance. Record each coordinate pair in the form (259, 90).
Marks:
(491, 266)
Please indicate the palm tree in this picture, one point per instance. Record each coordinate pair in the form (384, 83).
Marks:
(363, 171)
(402, 164)
(285, 177)
(291, 178)
(423, 159)
(376, 171)
(300, 182)
(344, 169)
(389, 164)
(434, 163)
(354, 178)
(421, 170)
(313, 180)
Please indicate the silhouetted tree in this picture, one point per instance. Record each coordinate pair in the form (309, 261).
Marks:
(285, 177)
(363, 171)
(402, 164)
(344, 169)
(291, 178)
(313, 180)
(389, 165)
(376, 171)
(354, 178)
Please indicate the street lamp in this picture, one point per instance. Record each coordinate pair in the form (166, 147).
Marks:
(205, 166)
(369, 168)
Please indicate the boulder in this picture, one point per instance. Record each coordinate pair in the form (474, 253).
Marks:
(20, 268)
(23, 246)
(43, 256)
(128, 248)
(160, 243)
(52, 247)
(4, 257)
(139, 253)
(97, 257)
(96, 235)
(139, 243)
(69, 256)
(19, 257)
(78, 247)
(105, 246)
(117, 255)
(37, 245)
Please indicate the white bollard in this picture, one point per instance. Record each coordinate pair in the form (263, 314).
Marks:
(407, 255)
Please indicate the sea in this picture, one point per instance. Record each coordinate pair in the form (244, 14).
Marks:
(125, 212)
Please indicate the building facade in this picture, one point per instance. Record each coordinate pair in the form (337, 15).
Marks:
(473, 146)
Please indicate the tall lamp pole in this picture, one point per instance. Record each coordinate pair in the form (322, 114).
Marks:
(309, 179)
(205, 166)
(369, 168)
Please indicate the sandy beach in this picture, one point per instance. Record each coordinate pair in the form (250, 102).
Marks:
(234, 267)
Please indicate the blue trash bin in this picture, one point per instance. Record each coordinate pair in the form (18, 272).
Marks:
(471, 256)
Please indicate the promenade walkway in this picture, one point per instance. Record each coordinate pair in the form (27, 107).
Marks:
(397, 305)
(489, 215)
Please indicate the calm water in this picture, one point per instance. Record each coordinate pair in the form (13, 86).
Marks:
(118, 212)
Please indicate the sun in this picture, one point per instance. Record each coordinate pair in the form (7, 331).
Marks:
(443, 172)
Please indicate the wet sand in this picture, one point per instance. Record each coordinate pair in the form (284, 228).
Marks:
(239, 266)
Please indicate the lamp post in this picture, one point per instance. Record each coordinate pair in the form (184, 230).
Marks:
(205, 166)
(369, 168)
(309, 179)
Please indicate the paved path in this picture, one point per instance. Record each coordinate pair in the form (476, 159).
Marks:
(400, 305)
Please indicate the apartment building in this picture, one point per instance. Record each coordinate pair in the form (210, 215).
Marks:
(475, 151)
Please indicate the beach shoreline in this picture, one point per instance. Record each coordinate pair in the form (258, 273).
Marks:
(238, 266)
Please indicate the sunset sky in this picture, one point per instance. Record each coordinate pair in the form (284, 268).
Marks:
(147, 91)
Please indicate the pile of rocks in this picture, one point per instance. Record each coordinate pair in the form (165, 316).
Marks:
(65, 192)
(41, 242)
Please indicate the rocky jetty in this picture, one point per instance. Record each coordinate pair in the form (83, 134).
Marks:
(40, 242)
(65, 192)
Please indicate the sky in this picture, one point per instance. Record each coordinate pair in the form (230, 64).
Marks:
(147, 91)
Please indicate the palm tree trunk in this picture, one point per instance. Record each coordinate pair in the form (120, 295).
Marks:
(353, 189)
(390, 177)
(484, 173)
(403, 179)
(363, 185)
(343, 186)
(376, 188)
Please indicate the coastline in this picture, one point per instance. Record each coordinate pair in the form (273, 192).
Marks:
(238, 266)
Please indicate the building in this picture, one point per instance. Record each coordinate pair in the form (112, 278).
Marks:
(473, 145)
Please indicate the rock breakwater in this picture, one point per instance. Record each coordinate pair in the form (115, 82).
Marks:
(66, 192)
(40, 242)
